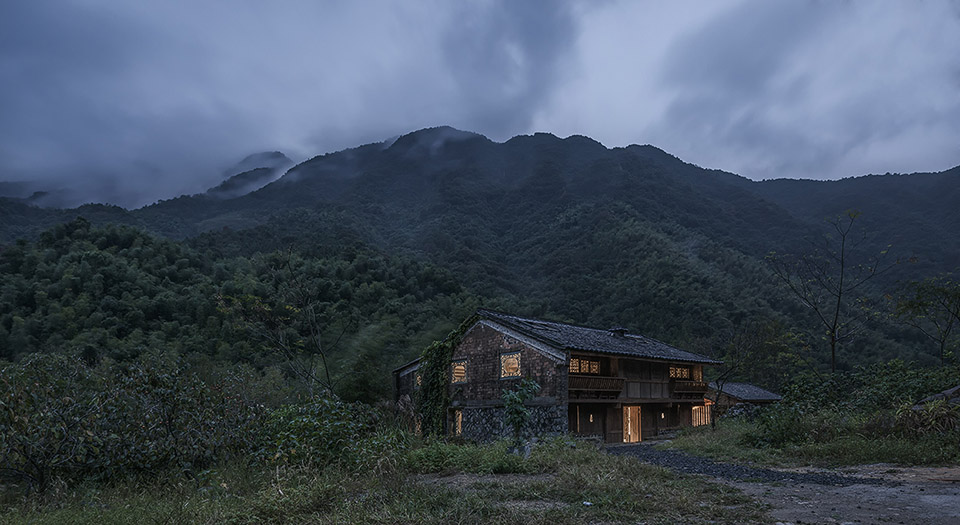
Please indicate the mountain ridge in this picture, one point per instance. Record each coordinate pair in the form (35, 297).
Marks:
(560, 227)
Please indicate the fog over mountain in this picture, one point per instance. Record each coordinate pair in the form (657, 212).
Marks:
(128, 102)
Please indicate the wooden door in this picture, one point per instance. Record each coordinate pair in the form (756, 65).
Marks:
(631, 424)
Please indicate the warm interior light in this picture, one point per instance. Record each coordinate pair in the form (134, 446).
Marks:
(510, 365)
(459, 374)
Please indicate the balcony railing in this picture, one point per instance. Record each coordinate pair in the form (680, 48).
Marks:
(689, 387)
(606, 384)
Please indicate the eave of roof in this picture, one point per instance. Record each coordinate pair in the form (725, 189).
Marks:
(569, 337)
(747, 392)
(406, 365)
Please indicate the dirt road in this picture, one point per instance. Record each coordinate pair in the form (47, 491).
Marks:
(863, 495)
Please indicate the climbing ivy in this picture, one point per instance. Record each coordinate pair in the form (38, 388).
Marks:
(433, 397)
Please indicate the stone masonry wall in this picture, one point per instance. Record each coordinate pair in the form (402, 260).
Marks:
(479, 398)
(487, 424)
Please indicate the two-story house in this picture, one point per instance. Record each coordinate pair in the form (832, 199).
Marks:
(609, 384)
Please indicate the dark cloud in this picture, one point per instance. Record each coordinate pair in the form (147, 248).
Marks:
(134, 101)
(813, 89)
(131, 102)
(506, 57)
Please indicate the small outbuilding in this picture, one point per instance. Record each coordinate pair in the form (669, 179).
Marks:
(736, 393)
(950, 395)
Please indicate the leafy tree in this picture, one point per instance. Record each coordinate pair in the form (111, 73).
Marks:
(515, 412)
(932, 306)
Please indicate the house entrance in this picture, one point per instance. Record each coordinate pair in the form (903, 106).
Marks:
(631, 424)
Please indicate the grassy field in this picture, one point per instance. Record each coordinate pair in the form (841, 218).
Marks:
(731, 439)
(429, 483)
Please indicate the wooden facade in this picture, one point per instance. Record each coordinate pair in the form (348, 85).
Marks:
(604, 384)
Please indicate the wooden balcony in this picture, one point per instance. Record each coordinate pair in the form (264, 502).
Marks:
(596, 383)
(689, 387)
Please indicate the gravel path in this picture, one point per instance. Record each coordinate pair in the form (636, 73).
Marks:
(689, 464)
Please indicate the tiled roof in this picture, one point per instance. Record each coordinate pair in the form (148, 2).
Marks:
(950, 395)
(747, 392)
(570, 337)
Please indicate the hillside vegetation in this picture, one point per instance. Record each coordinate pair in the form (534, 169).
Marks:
(235, 352)
(559, 228)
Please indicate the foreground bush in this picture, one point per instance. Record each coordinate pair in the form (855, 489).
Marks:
(328, 431)
(63, 420)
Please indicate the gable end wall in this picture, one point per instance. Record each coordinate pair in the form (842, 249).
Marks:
(480, 397)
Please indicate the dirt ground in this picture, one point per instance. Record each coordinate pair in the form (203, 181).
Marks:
(923, 496)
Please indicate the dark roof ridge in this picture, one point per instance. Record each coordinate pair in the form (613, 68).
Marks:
(538, 320)
(482, 311)
(569, 336)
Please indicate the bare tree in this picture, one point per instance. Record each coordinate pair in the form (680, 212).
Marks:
(828, 279)
(932, 306)
(736, 354)
(290, 323)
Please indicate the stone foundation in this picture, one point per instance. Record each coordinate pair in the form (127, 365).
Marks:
(487, 424)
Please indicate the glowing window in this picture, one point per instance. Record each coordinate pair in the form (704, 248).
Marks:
(419, 379)
(679, 372)
(510, 365)
(458, 371)
(458, 422)
(579, 365)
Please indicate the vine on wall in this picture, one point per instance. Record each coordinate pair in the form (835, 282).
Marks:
(433, 397)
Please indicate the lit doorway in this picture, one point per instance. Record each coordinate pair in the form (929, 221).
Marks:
(631, 424)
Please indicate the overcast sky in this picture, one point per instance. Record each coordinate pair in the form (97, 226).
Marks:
(147, 100)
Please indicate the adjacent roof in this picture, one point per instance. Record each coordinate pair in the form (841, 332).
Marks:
(571, 337)
(950, 395)
(747, 392)
(412, 365)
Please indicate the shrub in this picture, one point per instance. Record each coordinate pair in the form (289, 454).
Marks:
(935, 417)
(327, 431)
(516, 413)
(62, 419)
(778, 426)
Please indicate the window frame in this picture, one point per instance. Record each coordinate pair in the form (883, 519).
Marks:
(453, 367)
(590, 363)
(505, 355)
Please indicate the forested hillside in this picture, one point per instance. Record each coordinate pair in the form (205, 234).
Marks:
(117, 293)
(398, 241)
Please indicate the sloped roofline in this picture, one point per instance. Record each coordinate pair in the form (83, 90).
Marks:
(498, 317)
(747, 392)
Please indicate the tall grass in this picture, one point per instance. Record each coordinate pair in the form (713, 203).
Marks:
(735, 440)
(433, 483)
